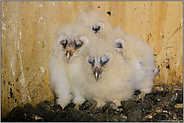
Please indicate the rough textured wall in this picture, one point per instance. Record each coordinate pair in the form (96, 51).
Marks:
(27, 34)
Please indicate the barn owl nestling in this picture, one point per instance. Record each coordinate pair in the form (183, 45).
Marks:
(97, 21)
(71, 40)
(103, 75)
(93, 61)
(138, 54)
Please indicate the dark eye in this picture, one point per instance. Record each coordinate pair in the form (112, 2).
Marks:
(92, 61)
(96, 28)
(78, 44)
(64, 43)
(119, 45)
(103, 61)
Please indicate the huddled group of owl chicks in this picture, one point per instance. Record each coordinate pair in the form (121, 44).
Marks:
(92, 60)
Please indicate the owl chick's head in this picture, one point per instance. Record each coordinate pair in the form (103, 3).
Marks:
(117, 36)
(97, 21)
(119, 45)
(71, 47)
(72, 39)
(99, 57)
(98, 64)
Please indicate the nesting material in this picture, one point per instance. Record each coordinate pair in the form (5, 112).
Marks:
(150, 110)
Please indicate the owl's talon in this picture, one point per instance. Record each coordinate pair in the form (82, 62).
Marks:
(76, 107)
(93, 107)
(142, 95)
(114, 106)
(136, 98)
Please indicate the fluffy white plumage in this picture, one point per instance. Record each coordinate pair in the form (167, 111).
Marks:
(115, 78)
(97, 21)
(71, 40)
(103, 66)
(138, 54)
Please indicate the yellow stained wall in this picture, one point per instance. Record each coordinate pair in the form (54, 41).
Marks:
(27, 34)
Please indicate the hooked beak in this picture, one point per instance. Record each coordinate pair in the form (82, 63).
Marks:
(97, 72)
(68, 55)
(70, 49)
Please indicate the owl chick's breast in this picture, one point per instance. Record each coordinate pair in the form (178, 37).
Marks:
(116, 78)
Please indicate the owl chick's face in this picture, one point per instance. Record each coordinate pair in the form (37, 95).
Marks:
(72, 46)
(98, 27)
(98, 64)
(120, 46)
(97, 21)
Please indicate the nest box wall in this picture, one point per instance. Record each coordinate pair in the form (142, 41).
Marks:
(27, 34)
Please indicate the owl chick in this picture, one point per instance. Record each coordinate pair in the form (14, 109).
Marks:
(103, 75)
(138, 54)
(97, 21)
(71, 40)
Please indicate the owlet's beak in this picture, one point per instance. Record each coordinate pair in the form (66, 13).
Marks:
(68, 55)
(71, 46)
(97, 71)
(98, 64)
(70, 50)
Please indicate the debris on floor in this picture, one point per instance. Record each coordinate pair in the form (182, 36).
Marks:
(163, 104)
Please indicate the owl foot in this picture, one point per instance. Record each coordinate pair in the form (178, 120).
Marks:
(117, 102)
(93, 105)
(77, 107)
(77, 101)
(110, 106)
(140, 96)
(114, 105)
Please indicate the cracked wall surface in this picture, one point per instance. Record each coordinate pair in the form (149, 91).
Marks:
(27, 34)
